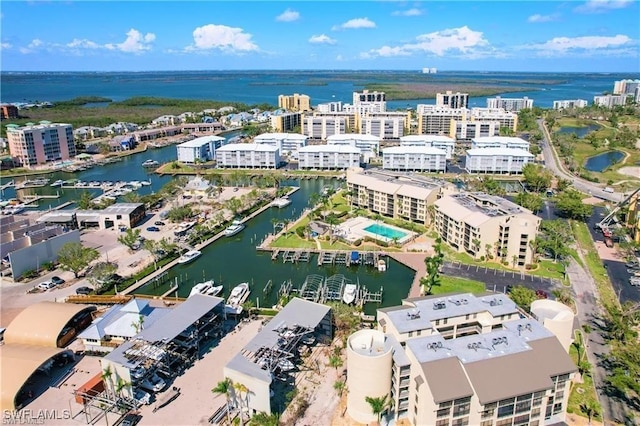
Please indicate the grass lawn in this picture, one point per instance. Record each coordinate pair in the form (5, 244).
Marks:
(292, 241)
(581, 393)
(454, 284)
(594, 264)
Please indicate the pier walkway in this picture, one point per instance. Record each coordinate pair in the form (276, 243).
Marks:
(414, 261)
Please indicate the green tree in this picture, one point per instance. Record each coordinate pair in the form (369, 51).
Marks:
(224, 388)
(241, 389)
(570, 204)
(378, 405)
(234, 205)
(556, 234)
(74, 257)
(180, 213)
(536, 177)
(101, 275)
(523, 297)
(529, 201)
(264, 419)
(433, 263)
(129, 238)
(85, 201)
(590, 409)
(335, 361)
(340, 386)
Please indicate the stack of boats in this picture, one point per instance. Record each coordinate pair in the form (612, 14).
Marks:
(207, 288)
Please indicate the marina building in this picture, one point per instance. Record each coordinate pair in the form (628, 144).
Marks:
(508, 142)
(465, 131)
(287, 143)
(509, 104)
(248, 156)
(285, 122)
(570, 103)
(368, 145)
(328, 157)
(497, 160)
(200, 149)
(459, 360)
(396, 195)
(414, 158)
(486, 225)
(609, 101)
(434, 141)
(40, 143)
(452, 100)
(117, 215)
(320, 126)
(295, 102)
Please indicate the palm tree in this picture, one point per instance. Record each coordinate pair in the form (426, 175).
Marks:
(274, 222)
(264, 419)
(137, 325)
(107, 377)
(514, 261)
(476, 246)
(240, 388)
(335, 361)
(378, 405)
(339, 386)
(487, 251)
(121, 385)
(591, 409)
(224, 388)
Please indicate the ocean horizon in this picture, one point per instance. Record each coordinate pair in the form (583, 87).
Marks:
(263, 86)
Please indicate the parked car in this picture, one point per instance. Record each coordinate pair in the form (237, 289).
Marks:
(57, 280)
(84, 290)
(541, 294)
(159, 223)
(153, 229)
(130, 419)
(46, 285)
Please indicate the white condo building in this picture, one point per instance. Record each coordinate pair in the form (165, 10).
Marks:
(500, 142)
(510, 104)
(328, 157)
(368, 145)
(200, 149)
(414, 158)
(570, 103)
(609, 101)
(387, 125)
(626, 87)
(248, 156)
(497, 160)
(287, 143)
(436, 141)
(465, 131)
(452, 100)
(329, 107)
(321, 126)
(438, 120)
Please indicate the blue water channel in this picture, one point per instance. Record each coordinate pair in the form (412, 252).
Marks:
(601, 162)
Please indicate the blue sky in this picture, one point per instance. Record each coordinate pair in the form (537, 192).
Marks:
(573, 36)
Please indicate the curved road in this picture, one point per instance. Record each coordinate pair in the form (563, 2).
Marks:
(553, 163)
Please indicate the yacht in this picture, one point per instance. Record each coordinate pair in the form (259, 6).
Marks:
(382, 265)
(235, 227)
(59, 182)
(206, 287)
(182, 228)
(150, 163)
(238, 296)
(189, 256)
(281, 202)
(349, 295)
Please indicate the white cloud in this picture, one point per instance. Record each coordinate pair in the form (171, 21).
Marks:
(541, 18)
(135, 42)
(339, 58)
(221, 37)
(470, 43)
(322, 39)
(599, 6)
(288, 16)
(408, 12)
(590, 45)
(83, 44)
(355, 23)
(35, 43)
(4, 46)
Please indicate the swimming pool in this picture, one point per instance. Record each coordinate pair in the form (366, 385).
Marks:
(385, 231)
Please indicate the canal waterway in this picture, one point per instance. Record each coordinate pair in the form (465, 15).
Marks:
(600, 162)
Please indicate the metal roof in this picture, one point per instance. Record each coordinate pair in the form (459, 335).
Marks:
(198, 142)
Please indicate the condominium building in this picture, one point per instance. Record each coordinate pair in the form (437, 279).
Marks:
(452, 100)
(200, 149)
(365, 102)
(570, 103)
(500, 142)
(40, 143)
(487, 225)
(505, 118)
(625, 87)
(285, 122)
(248, 156)
(287, 143)
(321, 126)
(396, 195)
(295, 102)
(414, 158)
(8, 111)
(437, 120)
(328, 157)
(460, 360)
(369, 145)
(385, 125)
(329, 107)
(436, 141)
(497, 160)
(609, 101)
(510, 104)
(465, 131)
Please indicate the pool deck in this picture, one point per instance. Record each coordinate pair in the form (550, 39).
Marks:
(354, 229)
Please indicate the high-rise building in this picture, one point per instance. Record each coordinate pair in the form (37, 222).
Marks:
(570, 103)
(625, 87)
(452, 100)
(295, 102)
(41, 143)
(510, 104)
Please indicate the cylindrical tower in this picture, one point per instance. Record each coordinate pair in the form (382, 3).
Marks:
(369, 360)
(555, 317)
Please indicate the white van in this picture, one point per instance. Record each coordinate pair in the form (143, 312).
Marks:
(609, 190)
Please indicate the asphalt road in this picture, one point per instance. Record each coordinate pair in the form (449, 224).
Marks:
(552, 163)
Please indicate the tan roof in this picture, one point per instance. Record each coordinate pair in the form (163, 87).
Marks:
(41, 323)
(520, 373)
(446, 379)
(415, 191)
(373, 183)
(17, 364)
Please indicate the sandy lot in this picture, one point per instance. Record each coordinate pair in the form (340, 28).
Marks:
(630, 171)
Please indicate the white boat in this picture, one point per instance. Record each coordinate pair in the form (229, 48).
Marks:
(206, 287)
(238, 296)
(349, 295)
(281, 202)
(235, 227)
(59, 182)
(150, 163)
(189, 256)
(382, 265)
(182, 228)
